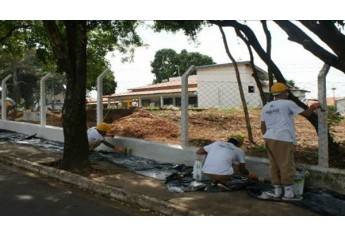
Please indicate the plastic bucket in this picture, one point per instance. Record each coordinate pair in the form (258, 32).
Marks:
(298, 186)
(197, 167)
(197, 170)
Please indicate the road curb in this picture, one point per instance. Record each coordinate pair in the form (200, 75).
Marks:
(151, 203)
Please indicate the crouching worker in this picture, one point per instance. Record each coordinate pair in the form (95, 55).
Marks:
(10, 107)
(221, 156)
(96, 136)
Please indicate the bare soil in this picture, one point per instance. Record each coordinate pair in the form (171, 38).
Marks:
(206, 126)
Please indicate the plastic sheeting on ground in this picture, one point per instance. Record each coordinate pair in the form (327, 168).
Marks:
(179, 178)
(321, 201)
(13, 137)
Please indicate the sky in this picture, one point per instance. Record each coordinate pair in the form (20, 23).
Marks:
(294, 61)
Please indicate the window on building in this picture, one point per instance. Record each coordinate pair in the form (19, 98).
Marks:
(167, 101)
(251, 89)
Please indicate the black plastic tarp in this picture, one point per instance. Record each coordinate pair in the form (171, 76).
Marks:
(179, 178)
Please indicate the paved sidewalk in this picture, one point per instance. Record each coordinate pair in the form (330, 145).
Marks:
(148, 192)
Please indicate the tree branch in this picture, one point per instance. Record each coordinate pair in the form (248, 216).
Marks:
(329, 34)
(297, 35)
(59, 49)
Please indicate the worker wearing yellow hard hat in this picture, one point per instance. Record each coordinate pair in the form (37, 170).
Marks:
(278, 129)
(10, 107)
(103, 127)
(278, 88)
(236, 139)
(96, 136)
(222, 158)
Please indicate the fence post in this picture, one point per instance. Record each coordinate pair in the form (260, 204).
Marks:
(3, 97)
(43, 100)
(322, 118)
(184, 106)
(100, 96)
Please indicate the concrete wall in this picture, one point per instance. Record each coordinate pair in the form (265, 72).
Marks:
(48, 132)
(332, 179)
(217, 87)
(340, 106)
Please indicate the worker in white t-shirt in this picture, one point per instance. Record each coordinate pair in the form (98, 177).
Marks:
(96, 136)
(278, 129)
(221, 156)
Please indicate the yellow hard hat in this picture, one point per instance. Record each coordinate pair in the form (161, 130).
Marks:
(278, 88)
(237, 137)
(103, 127)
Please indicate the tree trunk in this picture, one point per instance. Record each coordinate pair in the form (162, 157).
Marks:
(72, 59)
(268, 50)
(76, 144)
(255, 74)
(240, 88)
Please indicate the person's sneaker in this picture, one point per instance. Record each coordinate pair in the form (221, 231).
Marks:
(276, 193)
(293, 198)
(289, 195)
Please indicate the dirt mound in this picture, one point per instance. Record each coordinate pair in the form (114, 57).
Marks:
(144, 125)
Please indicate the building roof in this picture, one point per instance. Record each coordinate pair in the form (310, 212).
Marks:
(331, 101)
(171, 87)
(153, 92)
(230, 64)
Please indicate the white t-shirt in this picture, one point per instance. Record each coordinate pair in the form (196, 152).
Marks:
(278, 116)
(94, 137)
(220, 157)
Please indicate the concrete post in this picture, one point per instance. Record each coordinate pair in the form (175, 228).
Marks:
(3, 98)
(100, 96)
(322, 118)
(161, 99)
(43, 100)
(184, 106)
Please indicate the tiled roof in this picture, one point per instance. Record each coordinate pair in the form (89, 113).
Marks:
(152, 92)
(172, 83)
(172, 86)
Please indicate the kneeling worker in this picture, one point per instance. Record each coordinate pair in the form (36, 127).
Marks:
(221, 156)
(96, 136)
(10, 106)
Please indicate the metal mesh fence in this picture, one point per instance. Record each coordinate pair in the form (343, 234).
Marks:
(224, 96)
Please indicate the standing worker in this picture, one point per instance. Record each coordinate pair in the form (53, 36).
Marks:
(278, 129)
(96, 136)
(221, 156)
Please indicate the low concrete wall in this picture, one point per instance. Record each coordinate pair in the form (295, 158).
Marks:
(157, 151)
(332, 179)
(46, 132)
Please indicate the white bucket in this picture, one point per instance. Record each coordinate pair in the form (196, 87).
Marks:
(197, 167)
(298, 186)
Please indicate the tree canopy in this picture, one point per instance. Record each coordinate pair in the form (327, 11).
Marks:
(167, 63)
(25, 48)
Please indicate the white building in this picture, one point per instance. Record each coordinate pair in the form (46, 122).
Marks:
(214, 86)
(218, 87)
(340, 105)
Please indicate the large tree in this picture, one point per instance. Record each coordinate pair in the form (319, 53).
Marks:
(167, 63)
(25, 49)
(69, 42)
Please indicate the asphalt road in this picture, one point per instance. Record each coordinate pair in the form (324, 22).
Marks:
(23, 193)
